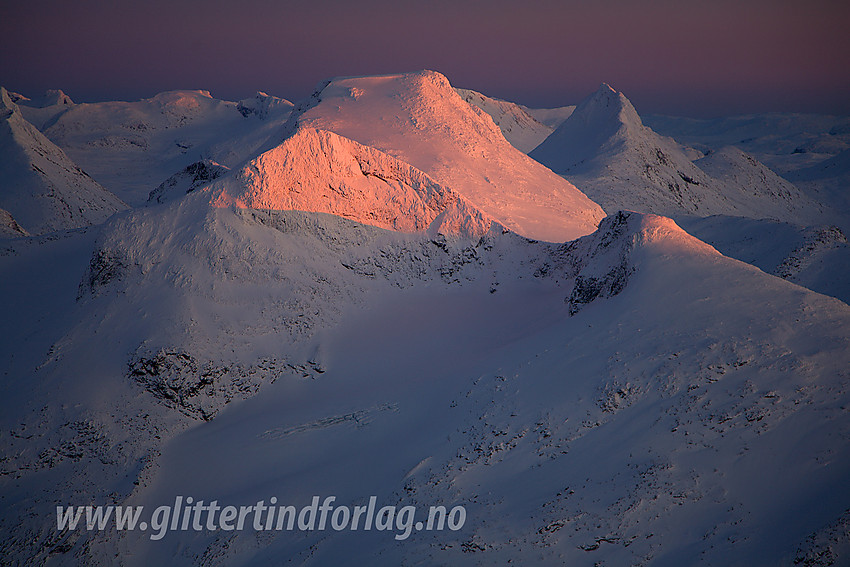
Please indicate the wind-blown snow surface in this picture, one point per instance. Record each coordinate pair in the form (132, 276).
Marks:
(40, 187)
(604, 148)
(420, 119)
(633, 397)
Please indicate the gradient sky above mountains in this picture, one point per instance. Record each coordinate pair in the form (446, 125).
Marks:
(673, 56)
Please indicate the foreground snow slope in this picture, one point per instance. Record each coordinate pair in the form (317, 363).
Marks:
(633, 397)
(604, 148)
(40, 187)
(420, 119)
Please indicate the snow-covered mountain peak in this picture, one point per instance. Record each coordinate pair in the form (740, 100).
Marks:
(51, 97)
(425, 97)
(194, 176)
(43, 109)
(651, 229)
(622, 245)
(604, 148)
(185, 102)
(420, 119)
(262, 104)
(606, 95)
(39, 185)
(320, 171)
(54, 97)
(603, 122)
(608, 108)
(631, 231)
(131, 147)
(18, 97)
(632, 396)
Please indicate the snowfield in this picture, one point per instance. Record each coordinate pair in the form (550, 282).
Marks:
(373, 293)
(420, 119)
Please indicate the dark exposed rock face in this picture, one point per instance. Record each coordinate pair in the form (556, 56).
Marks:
(605, 269)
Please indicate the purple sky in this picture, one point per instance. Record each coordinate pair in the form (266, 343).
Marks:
(702, 58)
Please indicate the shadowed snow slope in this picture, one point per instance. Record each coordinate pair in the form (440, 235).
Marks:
(756, 190)
(631, 397)
(319, 171)
(827, 181)
(606, 150)
(39, 185)
(420, 119)
(816, 257)
(518, 126)
(551, 117)
(44, 109)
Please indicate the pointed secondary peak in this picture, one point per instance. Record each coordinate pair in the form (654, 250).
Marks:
(602, 121)
(39, 184)
(635, 230)
(51, 97)
(605, 95)
(607, 89)
(608, 102)
(194, 176)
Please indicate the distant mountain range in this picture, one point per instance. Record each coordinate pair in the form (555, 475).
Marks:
(375, 291)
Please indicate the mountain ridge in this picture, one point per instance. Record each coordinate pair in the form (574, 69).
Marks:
(606, 150)
(420, 119)
(40, 186)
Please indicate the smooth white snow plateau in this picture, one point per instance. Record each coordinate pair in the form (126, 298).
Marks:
(373, 293)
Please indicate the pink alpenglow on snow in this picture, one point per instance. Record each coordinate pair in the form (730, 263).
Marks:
(420, 119)
(319, 171)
